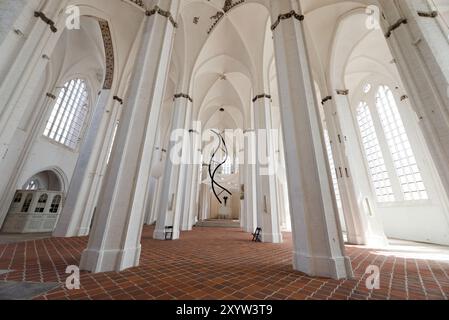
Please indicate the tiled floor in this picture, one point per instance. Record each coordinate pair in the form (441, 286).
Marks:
(213, 263)
(14, 238)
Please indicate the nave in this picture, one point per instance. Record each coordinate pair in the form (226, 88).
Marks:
(223, 264)
(321, 125)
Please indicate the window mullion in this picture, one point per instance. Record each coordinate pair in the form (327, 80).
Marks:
(69, 114)
(67, 111)
(53, 124)
(72, 113)
(374, 159)
(78, 110)
(386, 153)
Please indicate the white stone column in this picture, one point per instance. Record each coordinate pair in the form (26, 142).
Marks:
(25, 73)
(151, 198)
(250, 181)
(114, 244)
(18, 89)
(194, 196)
(266, 166)
(362, 228)
(197, 176)
(69, 223)
(204, 199)
(242, 180)
(171, 199)
(283, 200)
(204, 202)
(191, 181)
(9, 13)
(153, 211)
(317, 235)
(191, 197)
(16, 21)
(188, 189)
(281, 205)
(421, 49)
(162, 153)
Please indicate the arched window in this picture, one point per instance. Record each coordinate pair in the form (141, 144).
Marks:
(399, 145)
(69, 113)
(27, 203)
(367, 88)
(18, 197)
(54, 208)
(41, 203)
(32, 185)
(373, 152)
(17, 200)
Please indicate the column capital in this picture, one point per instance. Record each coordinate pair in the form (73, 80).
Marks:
(45, 19)
(394, 26)
(285, 16)
(428, 14)
(118, 99)
(164, 13)
(262, 96)
(182, 95)
(51, 96)
(342, 92)
(326, 99)
(162, 150)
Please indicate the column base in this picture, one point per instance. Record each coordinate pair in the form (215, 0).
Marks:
(62, 234)
(160, 234)
(187, 228)
(83, 232)
(70, 233)
(356, 240)
(97, 261)
(371, 241)
(328, 267)
(272, 237)
(377, 242)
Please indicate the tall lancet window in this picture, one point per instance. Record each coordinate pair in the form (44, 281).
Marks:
(400, 147)
(373, 152)
(69, 114)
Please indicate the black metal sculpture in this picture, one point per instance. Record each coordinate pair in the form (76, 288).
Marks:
(213, 172)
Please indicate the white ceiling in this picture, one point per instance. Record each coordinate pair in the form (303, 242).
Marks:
(223, 68)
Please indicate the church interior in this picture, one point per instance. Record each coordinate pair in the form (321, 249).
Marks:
(224, 149)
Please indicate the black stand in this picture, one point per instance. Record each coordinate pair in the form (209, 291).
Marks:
(256, 235)
(169, 233)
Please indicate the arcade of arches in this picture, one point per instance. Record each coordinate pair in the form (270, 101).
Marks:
(322, 124)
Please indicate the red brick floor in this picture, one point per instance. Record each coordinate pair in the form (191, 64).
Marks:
(220, 264)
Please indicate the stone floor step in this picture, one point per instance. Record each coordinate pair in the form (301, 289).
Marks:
(215, 223)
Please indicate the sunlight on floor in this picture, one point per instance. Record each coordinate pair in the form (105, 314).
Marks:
(412, 250)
